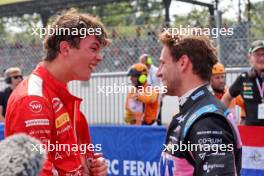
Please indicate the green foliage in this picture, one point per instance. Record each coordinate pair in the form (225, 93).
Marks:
(2, 29)
(22, 29)
(136, 12)
(257, 22)
(194, 18)
(125, 17)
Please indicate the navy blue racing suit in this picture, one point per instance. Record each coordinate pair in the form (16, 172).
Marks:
(202, 140)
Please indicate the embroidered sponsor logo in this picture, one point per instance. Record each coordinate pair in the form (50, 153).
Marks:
(209, 167)
(37, 122)
(200, 93)
(210, 140)
(209, 132)
(248, 92)
(248, 96)
(247, 84)
(180, 119)
(202, 155)
(62, 119)
(35, 106)
(245, 88)
(68, 127)
(37, 132)
(57, 156)
(57, 104)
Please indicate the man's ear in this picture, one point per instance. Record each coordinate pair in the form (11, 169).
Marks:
(64, 48)
(248, 56)
(184, 61)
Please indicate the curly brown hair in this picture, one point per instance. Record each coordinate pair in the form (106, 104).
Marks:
(199, 49)
(70, 20)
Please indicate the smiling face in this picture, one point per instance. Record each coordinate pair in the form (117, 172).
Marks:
(82, 61)
(256, 59)
(169, 72)
(74, 56)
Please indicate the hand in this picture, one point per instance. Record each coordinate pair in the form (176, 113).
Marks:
(98, 165)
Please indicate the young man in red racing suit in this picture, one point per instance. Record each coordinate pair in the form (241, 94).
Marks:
(42, 106)
(201, 140)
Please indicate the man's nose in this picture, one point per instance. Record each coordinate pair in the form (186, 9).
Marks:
(99, 58)
(158, 74)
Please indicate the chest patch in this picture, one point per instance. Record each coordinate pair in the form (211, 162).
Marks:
(62, 119)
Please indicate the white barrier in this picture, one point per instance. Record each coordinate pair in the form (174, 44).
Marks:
(103, 108)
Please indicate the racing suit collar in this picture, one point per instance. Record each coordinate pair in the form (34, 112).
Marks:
(187, 102)
(185, 97)
(57, 86)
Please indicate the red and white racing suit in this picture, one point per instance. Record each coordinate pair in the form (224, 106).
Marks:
(42, 107)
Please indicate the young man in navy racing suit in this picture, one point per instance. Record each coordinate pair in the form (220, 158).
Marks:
(201, 139)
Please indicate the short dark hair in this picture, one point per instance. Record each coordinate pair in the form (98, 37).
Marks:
(72, 19)
(198, 48)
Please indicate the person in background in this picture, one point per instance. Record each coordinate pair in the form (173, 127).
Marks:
(142, 100)
(13, 76)
(218, 85)
(153, 80)
(250, 85)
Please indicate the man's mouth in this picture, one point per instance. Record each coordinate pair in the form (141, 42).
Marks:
(92, 67)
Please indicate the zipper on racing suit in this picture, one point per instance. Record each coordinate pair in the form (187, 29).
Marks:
(83, 158)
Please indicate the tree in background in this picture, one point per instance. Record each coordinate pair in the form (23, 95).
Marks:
(19, 29)
(135, 12)
(256, 19)
(132, 13)
(194, 18)
(3, 32)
